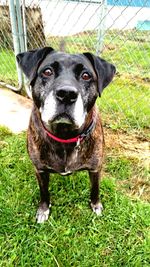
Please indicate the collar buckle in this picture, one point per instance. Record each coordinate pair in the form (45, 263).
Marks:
(78, 146)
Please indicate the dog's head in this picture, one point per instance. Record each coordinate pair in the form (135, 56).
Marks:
(65, 86)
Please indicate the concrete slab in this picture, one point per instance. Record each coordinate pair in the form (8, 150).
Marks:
(15, 111)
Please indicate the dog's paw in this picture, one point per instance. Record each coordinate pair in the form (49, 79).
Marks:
(42, 214)
(97, 208)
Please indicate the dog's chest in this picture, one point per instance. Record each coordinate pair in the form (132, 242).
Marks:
(70, 162)
(66, 161)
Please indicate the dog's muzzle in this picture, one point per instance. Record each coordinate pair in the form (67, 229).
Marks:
(64, 106)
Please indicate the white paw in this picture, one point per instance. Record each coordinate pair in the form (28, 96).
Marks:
(42, 215)
(97, 208)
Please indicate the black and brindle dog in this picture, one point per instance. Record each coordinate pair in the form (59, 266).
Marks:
(65, 131)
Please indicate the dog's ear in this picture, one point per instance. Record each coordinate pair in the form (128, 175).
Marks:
(104, 71)
(31, 60)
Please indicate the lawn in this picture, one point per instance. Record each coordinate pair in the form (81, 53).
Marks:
(73, 235)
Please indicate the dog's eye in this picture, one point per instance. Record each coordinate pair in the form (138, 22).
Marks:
(47, 73)
(86, 76)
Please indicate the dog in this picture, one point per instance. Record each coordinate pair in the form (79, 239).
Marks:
(65, 132)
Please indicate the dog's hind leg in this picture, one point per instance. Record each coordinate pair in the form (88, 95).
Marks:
(95, 201)
(43, 210)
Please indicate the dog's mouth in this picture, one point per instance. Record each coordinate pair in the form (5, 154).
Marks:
(64, 130)
(63, 119)
(63, 126)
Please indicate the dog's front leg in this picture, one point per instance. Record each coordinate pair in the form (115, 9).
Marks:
(43, 210)
(95, 202)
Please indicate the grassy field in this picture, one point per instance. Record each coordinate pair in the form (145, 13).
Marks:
(73, 235)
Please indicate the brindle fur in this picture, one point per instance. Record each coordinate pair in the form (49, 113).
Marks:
(50, 156)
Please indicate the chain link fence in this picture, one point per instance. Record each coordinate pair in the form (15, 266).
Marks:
(117, 30)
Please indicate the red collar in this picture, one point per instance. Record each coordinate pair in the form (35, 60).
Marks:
(76, 139)
(65, 141)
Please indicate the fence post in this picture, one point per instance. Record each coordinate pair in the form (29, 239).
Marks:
(26, 82)
(24, 25)
(13, 21)
(101, 30)
(20, 26)
(19, 33)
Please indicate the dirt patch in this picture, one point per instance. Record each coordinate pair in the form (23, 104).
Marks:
(15, 111)
(128, 145)
(138, 150)
(136, 188)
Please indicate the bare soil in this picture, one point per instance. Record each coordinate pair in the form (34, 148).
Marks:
(137, 150)
(130, 146)
(15, 111)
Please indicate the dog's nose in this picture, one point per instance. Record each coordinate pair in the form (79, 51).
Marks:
(67, 95)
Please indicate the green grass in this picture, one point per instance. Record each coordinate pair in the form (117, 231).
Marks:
(130, 51)
(73, 235)
(124, 104)
(120, 168)
(8, 73)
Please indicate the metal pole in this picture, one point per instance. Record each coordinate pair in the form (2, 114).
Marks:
(20, 26)
(24, 24)
(15, 40)
(101, 30)
(21, 39)
(26, 82)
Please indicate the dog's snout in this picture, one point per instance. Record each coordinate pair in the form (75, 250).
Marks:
(67, 95)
